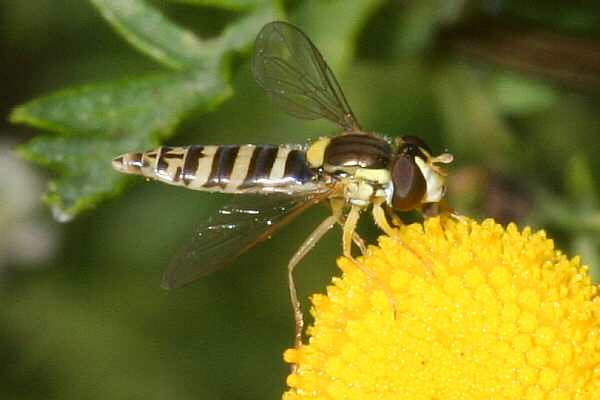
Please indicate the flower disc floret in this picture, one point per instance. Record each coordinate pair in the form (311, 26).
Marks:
(504, 316)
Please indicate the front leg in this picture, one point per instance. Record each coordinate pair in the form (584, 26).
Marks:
(433, 210)
(396, 220)
(348, 232)
(447, 210)
(383, 224)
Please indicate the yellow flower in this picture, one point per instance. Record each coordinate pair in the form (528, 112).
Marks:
(505, 316)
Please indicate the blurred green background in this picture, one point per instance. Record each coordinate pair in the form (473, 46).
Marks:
(510, 88)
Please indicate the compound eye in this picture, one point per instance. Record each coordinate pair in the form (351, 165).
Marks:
(409, 183)
(409, 149)
(413, 144)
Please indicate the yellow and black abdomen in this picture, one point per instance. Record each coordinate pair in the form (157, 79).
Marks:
(227, 169)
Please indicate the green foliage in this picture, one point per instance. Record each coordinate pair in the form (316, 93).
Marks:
(97, 122)
(229, 4)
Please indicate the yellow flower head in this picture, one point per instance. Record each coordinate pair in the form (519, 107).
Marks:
(505, 316)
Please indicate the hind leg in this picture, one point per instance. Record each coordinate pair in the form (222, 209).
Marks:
(302, 251)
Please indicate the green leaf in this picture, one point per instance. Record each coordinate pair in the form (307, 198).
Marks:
(519, 95)
(132, 107)
(237, 5)
(97, 122)
(420, 22)
(580, 184)
(474, 125)
(334, 25)
(147, 29)
(82, 182)
(100, 122)
(242, 33)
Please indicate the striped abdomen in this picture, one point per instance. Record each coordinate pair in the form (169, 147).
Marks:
(231, 169)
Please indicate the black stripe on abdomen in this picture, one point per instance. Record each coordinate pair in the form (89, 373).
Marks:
(222, 166)
(296, 167)
(191, 159)
(161, 163)
(260, 166)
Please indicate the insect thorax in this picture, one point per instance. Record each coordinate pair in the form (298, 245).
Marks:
(359, 161)
(365, 185)
(370, 167)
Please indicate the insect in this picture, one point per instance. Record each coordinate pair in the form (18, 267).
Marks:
(349, 172)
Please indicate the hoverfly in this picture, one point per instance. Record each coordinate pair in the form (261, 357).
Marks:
(348, 172)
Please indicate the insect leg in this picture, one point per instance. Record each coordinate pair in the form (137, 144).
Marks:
(449, 210)
(308, 244)
(396, 220)
(358, 241)
(347, 235)
(382, 222)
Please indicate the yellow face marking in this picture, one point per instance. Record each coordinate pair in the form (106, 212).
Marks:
(434, 181)
(365, 191)
(316, 152)
(381, 176)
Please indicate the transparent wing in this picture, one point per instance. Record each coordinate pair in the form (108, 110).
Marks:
(293, 73)
(237, 227)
